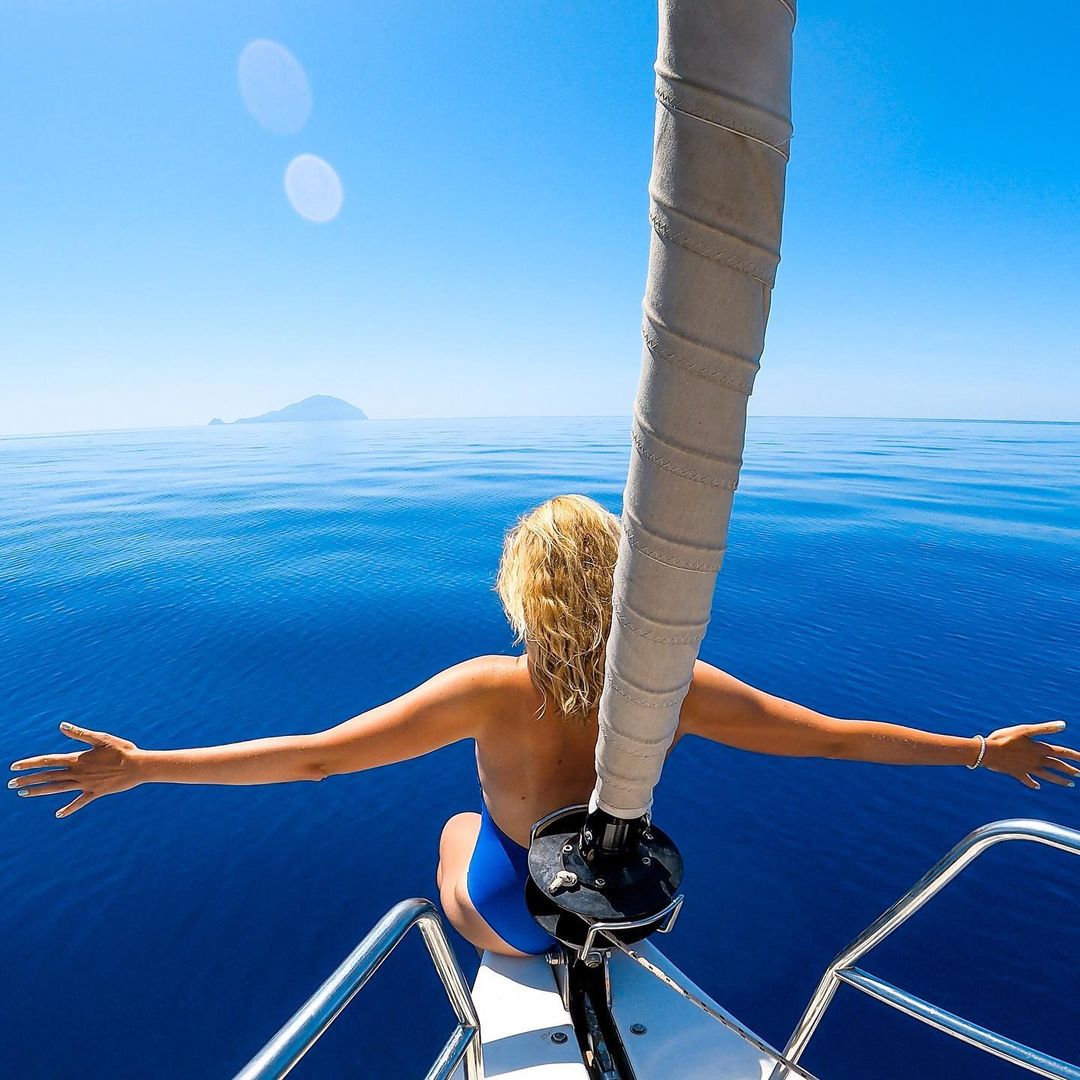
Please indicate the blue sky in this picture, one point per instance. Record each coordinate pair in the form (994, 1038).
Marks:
(489, 255)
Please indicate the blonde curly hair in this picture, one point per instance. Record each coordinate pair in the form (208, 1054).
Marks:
(554, 581)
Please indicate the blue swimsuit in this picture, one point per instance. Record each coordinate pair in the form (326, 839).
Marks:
(498, 871)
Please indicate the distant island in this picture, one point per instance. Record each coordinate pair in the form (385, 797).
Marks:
(317, 407)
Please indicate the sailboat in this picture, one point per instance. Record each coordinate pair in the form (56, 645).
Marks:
(605, 1003)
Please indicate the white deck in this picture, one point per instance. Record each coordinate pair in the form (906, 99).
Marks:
(520, 1010)
(680, 1040)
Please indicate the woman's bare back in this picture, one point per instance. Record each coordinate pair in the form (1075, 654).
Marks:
(531, 765)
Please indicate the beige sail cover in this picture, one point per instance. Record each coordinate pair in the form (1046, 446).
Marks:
(723, 123)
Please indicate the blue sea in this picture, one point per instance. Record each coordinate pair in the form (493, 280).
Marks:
(194, 586)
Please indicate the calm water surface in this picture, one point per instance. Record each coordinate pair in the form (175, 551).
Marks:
(204, 585)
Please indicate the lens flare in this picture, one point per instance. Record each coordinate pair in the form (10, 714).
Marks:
(313, 188)
(274, 87)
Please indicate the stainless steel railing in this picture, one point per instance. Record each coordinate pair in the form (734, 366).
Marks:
(843, 969)
(299, 1034)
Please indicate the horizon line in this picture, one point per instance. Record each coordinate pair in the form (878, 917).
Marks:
(544, 416)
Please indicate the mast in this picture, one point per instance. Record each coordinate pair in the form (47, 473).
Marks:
(723, 124)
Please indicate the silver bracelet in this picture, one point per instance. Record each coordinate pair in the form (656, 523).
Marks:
(982, 752)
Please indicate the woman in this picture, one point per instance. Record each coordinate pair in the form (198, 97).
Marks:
(533, 720)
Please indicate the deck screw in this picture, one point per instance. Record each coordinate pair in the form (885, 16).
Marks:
(600, 882)
(646, 861)
(638, 1029)
(558, 1037)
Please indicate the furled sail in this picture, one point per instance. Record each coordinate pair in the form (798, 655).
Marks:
(723, 89)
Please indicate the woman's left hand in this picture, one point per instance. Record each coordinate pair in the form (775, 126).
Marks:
(1017, 752)
(108, 766)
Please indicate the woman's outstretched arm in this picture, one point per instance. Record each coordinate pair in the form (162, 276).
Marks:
(720, 707)
(443, 710)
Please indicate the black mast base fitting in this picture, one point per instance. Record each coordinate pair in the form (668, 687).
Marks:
(583, 887)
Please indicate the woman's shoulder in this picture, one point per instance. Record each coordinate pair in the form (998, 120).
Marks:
(509, 687)
(494, 667)
(494, 674)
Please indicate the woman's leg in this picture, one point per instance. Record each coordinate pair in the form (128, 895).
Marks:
(455, 850)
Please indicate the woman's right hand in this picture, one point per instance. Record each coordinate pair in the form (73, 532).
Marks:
(110, 765)
(1017, 752)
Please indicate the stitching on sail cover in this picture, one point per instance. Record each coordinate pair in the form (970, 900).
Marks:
(644, 704)
(692, 640)
(678, 470)
(652, 342)
(660, 557)
(666, 232)
(677, 103)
